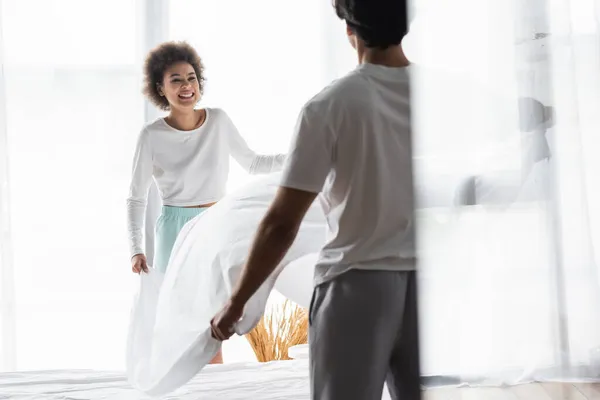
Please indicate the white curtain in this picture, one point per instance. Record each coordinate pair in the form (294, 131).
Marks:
(506, 104)
(73, 107)
(7, 300)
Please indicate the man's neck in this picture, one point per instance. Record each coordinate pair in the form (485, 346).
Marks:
(391, 57)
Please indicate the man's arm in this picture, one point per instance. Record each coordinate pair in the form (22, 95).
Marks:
(275, 235)
(308, 165)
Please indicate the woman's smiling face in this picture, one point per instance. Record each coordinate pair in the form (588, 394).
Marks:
(180, 86)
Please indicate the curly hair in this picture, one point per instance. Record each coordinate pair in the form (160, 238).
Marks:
(379, 23)
(159, 60)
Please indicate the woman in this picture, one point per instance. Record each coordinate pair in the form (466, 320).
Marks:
(186, 153)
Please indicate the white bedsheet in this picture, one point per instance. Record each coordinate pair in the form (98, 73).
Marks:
(283, 380)
(169, 339)
(279, 380)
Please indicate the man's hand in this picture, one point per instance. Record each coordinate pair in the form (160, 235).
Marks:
(139, 264)
(222, 324)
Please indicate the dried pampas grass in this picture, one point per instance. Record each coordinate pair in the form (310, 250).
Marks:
(285, 326)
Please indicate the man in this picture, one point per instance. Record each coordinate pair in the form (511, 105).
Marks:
(353, 146)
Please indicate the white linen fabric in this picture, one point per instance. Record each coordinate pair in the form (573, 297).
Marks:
(295, 282)
(279, 380)
(169, 338)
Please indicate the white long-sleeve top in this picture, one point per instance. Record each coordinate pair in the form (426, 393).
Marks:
(189, 167)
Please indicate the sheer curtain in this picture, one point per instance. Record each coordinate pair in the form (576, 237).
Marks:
(7, 300)
(506, 100)
(72, 108)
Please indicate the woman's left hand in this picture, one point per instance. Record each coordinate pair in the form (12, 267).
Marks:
(222, 325)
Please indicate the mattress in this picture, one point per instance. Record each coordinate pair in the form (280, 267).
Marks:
(282, 380)
(278, 380)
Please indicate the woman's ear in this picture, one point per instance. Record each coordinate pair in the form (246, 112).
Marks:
(159, 89)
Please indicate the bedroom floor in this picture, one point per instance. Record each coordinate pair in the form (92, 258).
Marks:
(534, 391)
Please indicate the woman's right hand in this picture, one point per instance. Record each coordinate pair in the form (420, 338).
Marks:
(139, 264)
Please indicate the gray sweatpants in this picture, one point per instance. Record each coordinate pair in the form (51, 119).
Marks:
(364, 332)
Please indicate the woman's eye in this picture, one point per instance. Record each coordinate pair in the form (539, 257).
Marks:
(193, 78)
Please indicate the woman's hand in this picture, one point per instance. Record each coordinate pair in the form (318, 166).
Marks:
(139, 264)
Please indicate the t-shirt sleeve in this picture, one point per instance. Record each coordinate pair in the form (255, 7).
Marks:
(310, 157)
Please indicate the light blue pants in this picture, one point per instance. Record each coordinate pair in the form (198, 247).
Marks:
(168, 226)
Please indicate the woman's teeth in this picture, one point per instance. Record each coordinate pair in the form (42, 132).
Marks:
(187, 95)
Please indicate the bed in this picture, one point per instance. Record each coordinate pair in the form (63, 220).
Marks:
(279, 380)
(282, 380)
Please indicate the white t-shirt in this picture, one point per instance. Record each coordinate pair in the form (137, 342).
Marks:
(190, 167)
(353, 146)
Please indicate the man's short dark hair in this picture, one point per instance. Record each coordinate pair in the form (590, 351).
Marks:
(378, 23)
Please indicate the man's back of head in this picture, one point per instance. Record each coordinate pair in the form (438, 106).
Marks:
(379, 24)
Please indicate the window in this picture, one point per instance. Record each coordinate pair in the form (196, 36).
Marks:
(73, 112)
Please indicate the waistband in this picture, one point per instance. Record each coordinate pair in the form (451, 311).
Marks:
(170, 211)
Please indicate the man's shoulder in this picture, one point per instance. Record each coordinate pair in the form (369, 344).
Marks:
(343, 91)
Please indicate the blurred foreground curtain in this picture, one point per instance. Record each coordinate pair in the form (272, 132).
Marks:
(507, 122)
